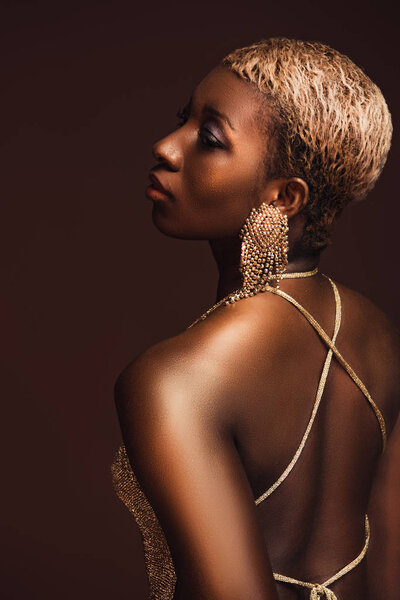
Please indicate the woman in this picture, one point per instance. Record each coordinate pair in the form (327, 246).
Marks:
(257, 433)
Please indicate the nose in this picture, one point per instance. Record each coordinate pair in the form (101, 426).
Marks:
(168, 152)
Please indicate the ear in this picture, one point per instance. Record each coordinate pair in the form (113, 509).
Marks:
(290, 195)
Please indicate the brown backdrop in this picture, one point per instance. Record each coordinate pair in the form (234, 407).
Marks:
(89, 282)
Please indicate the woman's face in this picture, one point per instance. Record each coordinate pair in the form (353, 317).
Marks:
(212, 164)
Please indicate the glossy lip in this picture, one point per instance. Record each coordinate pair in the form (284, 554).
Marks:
(153, 193)
(157, 185)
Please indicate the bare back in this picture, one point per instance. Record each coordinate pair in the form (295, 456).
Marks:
(235, 393)
(314, 522)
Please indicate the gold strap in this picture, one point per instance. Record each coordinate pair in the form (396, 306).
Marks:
(338, 355)
(225, 299)
(320, 391)
(320, 590)
(295, 275)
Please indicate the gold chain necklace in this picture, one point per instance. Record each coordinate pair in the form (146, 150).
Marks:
(296, 275)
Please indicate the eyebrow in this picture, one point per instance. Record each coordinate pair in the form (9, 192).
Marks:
(213, 111)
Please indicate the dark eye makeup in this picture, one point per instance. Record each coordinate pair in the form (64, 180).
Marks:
(206, 137)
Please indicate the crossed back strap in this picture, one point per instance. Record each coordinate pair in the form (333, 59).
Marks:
(320, 391)
(321, 590)
(330, 343)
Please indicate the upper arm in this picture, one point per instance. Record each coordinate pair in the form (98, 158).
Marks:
(383, 557)
(188, 467)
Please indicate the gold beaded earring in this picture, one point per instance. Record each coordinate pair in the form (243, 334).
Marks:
(264, 249)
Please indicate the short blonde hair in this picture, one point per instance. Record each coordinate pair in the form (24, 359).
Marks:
(331, 122)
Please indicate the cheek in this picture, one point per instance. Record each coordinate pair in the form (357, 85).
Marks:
(222, 185)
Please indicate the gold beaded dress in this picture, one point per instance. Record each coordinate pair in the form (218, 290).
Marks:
(158, 561)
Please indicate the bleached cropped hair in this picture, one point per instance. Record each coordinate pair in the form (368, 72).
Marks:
(330, 123)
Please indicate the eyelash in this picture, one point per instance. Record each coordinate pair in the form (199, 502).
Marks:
(183, 115)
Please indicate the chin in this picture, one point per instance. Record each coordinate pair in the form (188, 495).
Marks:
(168, 225)
(164, 221)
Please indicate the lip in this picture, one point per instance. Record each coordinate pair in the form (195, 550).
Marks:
(156, 191)
(153, 194)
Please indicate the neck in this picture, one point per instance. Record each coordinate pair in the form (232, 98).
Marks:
(226, 253)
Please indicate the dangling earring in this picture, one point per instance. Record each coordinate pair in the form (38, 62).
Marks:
(264, 249)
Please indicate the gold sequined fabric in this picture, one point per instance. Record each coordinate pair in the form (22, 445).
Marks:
(158, 560)
(159, 564)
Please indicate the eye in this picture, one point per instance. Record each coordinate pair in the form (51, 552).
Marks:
(209, 140)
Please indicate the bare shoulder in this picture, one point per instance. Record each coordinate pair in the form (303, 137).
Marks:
(371, 319)
(365, 308)
(376, 340)
(203, 367)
